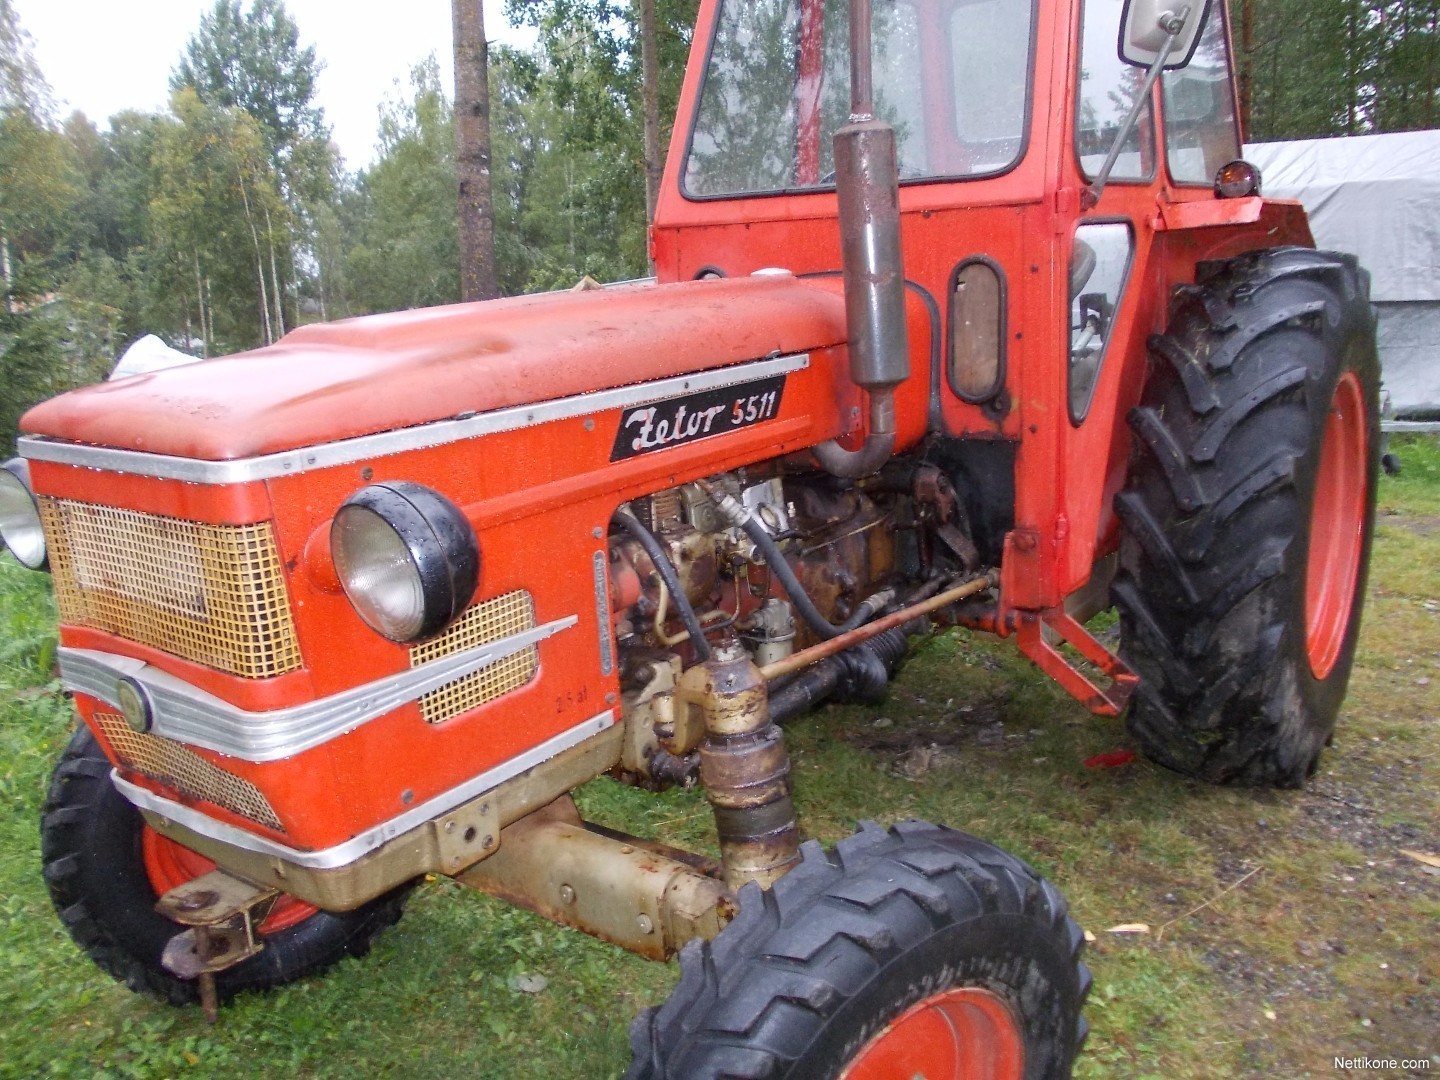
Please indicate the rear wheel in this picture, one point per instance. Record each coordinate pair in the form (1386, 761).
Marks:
(917, 951)
(105, 868)
(1247, 516)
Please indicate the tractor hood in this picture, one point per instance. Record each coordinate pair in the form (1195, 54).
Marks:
(339, 380)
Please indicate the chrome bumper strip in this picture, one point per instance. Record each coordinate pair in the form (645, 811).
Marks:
(368, 447)
(189, 715)
(355, 848)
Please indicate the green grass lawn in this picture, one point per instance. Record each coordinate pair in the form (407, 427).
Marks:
(1330, 946)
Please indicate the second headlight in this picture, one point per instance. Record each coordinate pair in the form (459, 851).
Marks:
(20, 528)
(407, 558)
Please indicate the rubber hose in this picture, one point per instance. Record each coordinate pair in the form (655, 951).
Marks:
(817, 622)
(646, 539)
(806, 690)
(865, 680)
(860, 674)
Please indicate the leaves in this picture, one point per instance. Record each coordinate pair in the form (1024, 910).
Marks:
(1345, 67)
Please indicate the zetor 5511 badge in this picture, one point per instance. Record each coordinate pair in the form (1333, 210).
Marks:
(680, 420)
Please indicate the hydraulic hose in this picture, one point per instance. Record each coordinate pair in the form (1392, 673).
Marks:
(754, 528)
(646, 539)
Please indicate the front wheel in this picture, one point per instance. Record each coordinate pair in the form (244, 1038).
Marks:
(1247, 516)
(913, 951)
(105, 869)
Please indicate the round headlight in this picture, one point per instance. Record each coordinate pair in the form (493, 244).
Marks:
(20, 516)
(407, 558)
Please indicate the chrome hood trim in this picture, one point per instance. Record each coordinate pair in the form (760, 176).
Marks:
(357, 847)
(188, 714)
(424, 436)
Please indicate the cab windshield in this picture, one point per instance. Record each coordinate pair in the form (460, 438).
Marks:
(951, 76)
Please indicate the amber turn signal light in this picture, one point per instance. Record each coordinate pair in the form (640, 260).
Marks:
(1237, 180)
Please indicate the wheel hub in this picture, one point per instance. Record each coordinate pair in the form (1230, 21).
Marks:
(966, 1033)
(1337, 527)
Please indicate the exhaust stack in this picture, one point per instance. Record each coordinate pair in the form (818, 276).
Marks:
(867, 184)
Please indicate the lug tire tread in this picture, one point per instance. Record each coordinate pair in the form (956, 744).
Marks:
(81, 800)
(1211, 590)
(750, 1003)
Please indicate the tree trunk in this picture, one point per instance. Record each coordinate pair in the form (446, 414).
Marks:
(259, 266)
(472, 153)
(1352, 78)
(1247, 64)
(650, 95)
(1427, 119)
(200, 302)
(275, 277)
(5, 267)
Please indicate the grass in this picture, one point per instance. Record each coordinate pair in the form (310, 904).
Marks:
(1327, 948)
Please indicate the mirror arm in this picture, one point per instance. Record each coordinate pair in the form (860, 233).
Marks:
(1172, 24)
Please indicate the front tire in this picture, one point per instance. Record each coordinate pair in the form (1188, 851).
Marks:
(917, 950)
(1247, 516)
(105, 868)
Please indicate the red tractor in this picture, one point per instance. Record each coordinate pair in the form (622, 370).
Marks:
(997, 330)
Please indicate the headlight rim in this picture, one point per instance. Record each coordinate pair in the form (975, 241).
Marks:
(441, 545)
(18, 471)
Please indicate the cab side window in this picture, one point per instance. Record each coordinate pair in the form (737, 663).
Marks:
(1201, 134)
(1107, 91)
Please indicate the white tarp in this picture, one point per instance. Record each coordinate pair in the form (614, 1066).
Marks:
(1377, 197)
(150, 354)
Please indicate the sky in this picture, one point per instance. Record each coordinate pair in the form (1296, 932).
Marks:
(100, 56)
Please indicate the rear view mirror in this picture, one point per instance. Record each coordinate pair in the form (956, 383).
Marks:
(1148, 25)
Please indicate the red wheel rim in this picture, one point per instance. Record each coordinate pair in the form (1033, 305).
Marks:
(961, 1034)
(169, 865)
(1337, 527)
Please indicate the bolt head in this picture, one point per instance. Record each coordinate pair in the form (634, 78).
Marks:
(567, 894)
(644, 923)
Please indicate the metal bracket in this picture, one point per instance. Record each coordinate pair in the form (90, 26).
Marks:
(223, 914)
(1102, 701)
(466, 835)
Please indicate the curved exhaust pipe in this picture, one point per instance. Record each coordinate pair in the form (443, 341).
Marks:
(868, 187)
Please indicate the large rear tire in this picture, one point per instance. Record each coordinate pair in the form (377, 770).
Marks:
(913, 951)
(105, 869)
(1247, 516)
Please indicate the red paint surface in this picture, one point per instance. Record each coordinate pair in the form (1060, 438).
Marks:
(1111, 759)
(966, 1033)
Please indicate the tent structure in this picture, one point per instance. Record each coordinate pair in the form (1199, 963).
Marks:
(1378, 197)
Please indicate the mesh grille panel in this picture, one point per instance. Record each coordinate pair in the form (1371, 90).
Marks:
(170, 763)
(490, 620)
(214, 594)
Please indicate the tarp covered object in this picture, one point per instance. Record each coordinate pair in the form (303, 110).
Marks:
(150, 354)
(1378, 197)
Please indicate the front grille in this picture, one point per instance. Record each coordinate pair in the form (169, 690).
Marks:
(171, 764)
(487, 621)
(214, 594)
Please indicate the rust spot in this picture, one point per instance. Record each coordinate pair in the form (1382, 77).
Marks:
(197, 901)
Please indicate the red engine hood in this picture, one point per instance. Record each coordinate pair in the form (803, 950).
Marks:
(339, 380)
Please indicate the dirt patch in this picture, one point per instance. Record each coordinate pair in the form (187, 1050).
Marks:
(1420, 524)
(934, 734)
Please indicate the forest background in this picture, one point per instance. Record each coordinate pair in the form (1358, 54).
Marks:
(229, 218)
